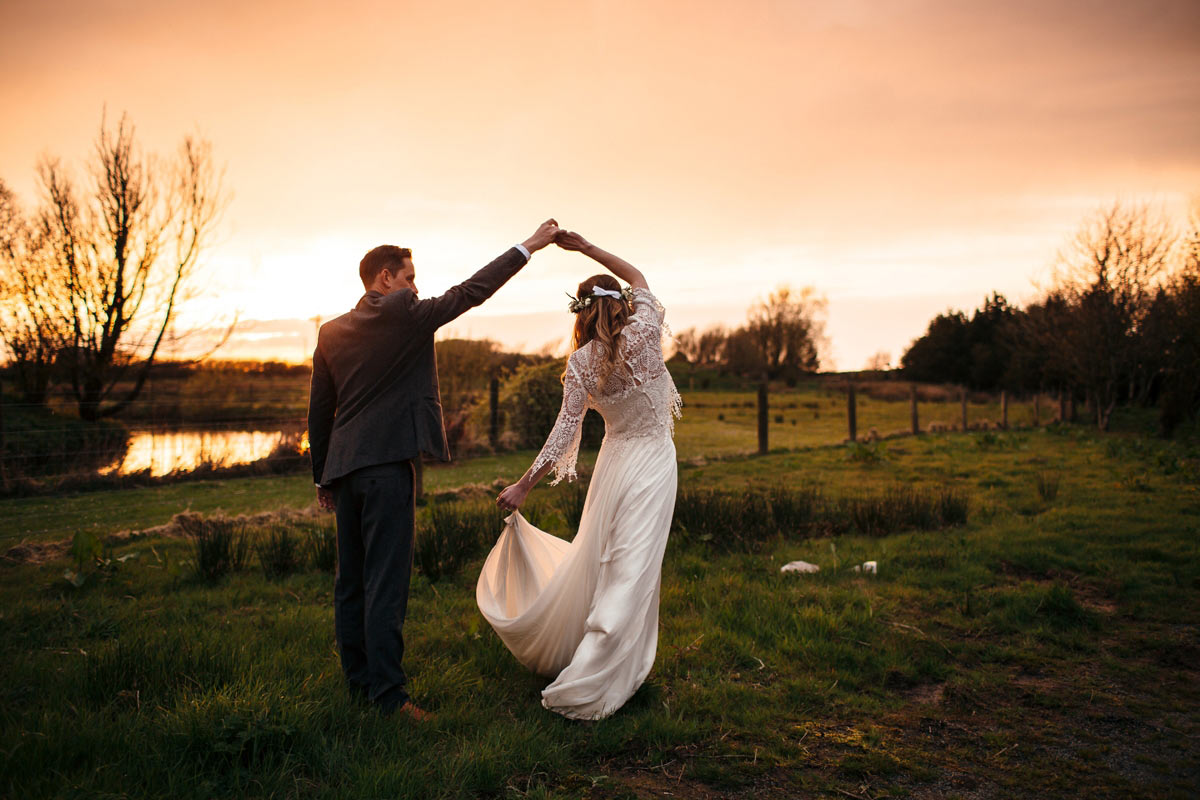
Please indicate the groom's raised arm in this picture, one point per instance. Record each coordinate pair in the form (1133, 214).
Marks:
(435, 312)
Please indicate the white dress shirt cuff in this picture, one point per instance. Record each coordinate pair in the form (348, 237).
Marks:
(524, 252)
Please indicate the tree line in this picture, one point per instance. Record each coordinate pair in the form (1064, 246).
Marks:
(1119, 324)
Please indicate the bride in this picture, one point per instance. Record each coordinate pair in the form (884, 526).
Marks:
(586, 612)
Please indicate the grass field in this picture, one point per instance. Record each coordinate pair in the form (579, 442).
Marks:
(1048, 648)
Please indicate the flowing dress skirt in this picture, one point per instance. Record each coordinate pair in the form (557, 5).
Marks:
(585, 612)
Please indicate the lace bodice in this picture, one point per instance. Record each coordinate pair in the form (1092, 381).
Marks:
(638, 399)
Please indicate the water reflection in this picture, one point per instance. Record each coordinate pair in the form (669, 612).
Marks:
(163, 452)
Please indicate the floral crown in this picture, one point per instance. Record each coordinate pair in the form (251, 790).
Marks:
(578, 304)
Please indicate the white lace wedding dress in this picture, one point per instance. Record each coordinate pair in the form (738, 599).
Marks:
(586, 612)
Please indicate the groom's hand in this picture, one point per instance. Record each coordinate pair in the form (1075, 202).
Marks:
(325, 499)
(543, 236)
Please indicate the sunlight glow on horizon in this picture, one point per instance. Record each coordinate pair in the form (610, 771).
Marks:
(898, 158)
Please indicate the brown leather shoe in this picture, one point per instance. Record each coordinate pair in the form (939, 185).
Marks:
(415, 712)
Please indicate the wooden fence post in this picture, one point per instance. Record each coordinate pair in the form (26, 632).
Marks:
(1037, 409)
(852, 413)
(1062, 406)
(912, 401)
(494, 412)
(963, 395)
(762, 418)
(1004, 409)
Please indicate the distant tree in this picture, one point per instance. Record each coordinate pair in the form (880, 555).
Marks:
(943, 353)
(1109, 275)
(787, 329)
(879, 362)
(989, 347)
(687, 345)
(1173, 331)
(710, 345)
(701, 349)
(740, 354)
(464, 369)
(126, 252)
(975, 351)
(1034, 340)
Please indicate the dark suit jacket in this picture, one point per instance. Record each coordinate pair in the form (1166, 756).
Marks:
(374, 396)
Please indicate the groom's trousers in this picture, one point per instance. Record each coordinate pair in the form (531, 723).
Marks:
(375, 521)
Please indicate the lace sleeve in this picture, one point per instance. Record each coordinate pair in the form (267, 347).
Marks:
(562, 445)
(646, 308)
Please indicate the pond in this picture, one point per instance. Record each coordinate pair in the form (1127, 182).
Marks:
(162, 452)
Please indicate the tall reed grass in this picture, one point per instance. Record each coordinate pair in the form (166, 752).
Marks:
(749, 520)
(320, 547)
(457, 533)
(571, 500)
(219, 545)
(279, 552)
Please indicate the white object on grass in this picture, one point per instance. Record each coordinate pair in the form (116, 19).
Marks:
(799, 566)
(869, 567)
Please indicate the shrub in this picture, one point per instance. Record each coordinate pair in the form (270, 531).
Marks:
(220, 545)
(531, 399)
(279, 552)
(870, 452)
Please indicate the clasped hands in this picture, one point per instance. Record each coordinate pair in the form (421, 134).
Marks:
(549, 232)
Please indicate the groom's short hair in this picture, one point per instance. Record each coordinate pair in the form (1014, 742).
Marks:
(386, 256)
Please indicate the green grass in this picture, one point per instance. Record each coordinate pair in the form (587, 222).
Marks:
(57, 517)
(1048, 648)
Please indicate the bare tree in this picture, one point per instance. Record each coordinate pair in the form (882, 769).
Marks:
(687, 345)
(879, 362)
(703, 348)
(1108, 275)
(741, 355)
(32, 325)
(788, 331)
(1175, 333)
(128, 252)
(710, 345)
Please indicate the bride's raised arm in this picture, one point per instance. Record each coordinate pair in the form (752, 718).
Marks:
(570, 240)
(561, 449)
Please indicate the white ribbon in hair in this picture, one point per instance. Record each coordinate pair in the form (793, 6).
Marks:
(606, 292)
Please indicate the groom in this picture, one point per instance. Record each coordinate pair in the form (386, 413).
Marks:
(373, 409)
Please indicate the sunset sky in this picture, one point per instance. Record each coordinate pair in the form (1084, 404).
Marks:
(901, 157)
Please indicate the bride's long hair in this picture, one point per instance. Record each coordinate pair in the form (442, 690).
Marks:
(602, 320)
